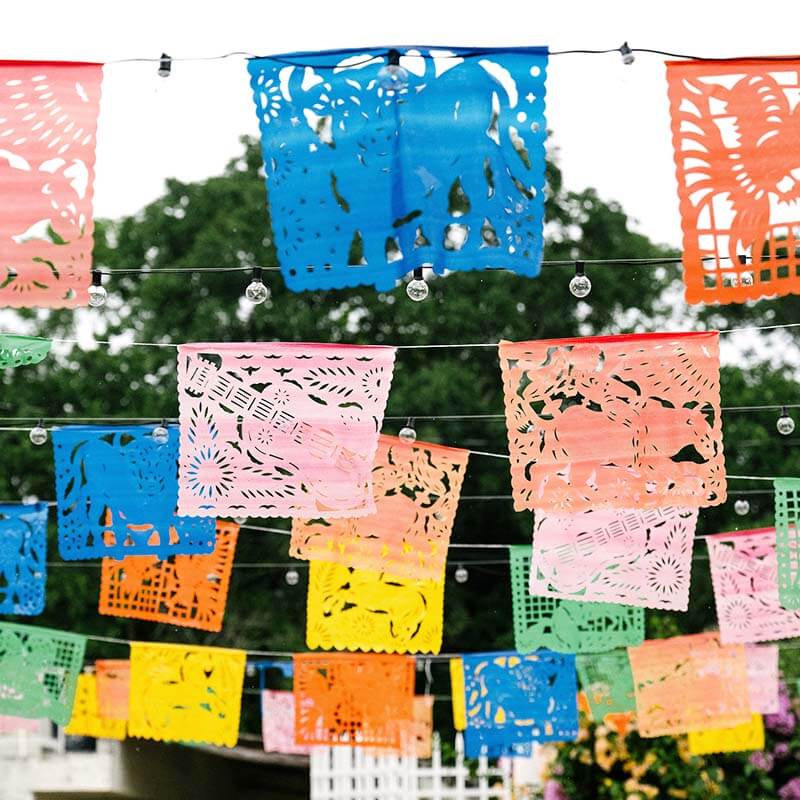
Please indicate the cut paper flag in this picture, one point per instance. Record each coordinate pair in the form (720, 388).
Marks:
(116, 488)
(736, 739)
(190, 590)
(518, 699)
(787, 514)
(763, 678)
(567, 626)
(47, 177)
(16, 724)
(86, 719)
(458, 698)
(348, 699)
(280, 430)
(39, 669)
(416, 488)
(688, 683)
(744, 572)
(358, 609)
(113, 688)
(419, 734)
(438, 162)
(734, 132)
(18, 351)
(185, 693)
(607, 681)
(277, 723)
(635, 557)
(23, 557)
(628, 421)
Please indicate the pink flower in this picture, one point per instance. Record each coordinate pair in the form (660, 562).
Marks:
(761, 760)
(554, 791)
(791, 790)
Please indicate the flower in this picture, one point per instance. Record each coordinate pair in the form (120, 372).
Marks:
(790, 790)
(781, 750)
(762, 760)
(554, 791)
(784, 722)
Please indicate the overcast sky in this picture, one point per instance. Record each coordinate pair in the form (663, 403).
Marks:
(610, 122)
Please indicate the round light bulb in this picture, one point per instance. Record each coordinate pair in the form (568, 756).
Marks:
(747, 279)
(741, 506)
(160, 434)
(461, 575)
(392, 78)
(240, 520)
(417, 289)
(292, 576)
(580, 286)
(408, 434)
(38, 435)
(256, 291)
(97, 296)
(785, 425)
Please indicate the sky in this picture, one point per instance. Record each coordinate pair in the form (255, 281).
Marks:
(609, 121)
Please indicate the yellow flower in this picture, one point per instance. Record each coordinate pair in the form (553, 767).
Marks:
(679, 793)
(603, 754)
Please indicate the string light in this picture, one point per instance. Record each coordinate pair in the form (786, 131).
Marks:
(97, 292)
(461, 574)
(785, 423)
(164, 66)
(417, 289)
(161, 433)
(407, 432)
(391, 76)
(38, 434)
(580, 285)
(741, 506)
(627, 54)
(256, 291)
(292, 576)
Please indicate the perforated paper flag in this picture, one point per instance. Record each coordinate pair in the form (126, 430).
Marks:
(117, 489)
(185, 693)
(367, 181)
(113, 688)
(639, 558)
(567, 626)
(46, 178)
(787, 513)
(350, 699)
(16, 351)
(277, 723)
(513, 698)
(745, 736)
(607, 680)
(14, 724)
(420, 731)
(275, 429)
(358, 609)
(39, 669)
(457, 694)
(181, 590)
(689, 683)
(734, 130)
(627, 421)
(23, 557)
(763, 678)
(416, 489)
(744, 571)
(86, 719)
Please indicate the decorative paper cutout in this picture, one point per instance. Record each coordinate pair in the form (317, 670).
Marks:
(458, 697)
(47, 174)
(416, 490)
(744, 571)
(746, 736)
(113, 688)
(363, 700)
(39, 669)
(607, 680)
(787, 513)
(688, 683)
(734, 130)
(23, 557)
(276, 429)
(277, 723)
(183, 590)
(16, 351)
(365, 185)
(185, 693)
(117, 490)
(14, 724)
(639, 558)
(514, 698)
(567, 626)
(358, 609)
(86, 719)
(420, 730)
(627, 421)
(763, 678)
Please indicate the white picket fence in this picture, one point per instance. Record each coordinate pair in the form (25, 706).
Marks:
(350, 773)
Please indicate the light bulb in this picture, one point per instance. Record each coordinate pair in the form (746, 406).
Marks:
(256, 291)
(292, 576)
(741, 506)
(461, 575)
(392, 78)
(785, 424)
(408, 434)
(164, 66)
(97, 296)
(160, 434)
(417, 289)
(747, 279)
(38, 434)
(627, 54)
(580, 286)
(240, 520)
